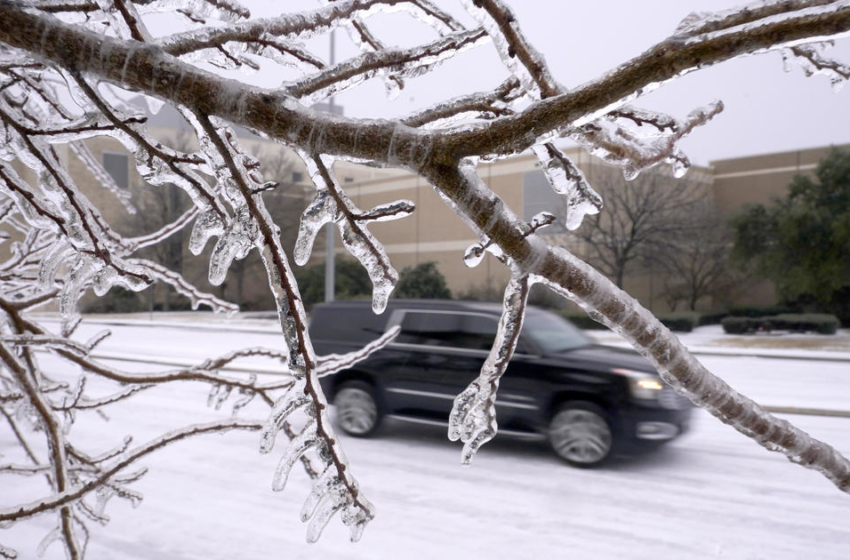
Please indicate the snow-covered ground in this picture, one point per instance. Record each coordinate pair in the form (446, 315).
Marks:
(711, 494)
(712, 340)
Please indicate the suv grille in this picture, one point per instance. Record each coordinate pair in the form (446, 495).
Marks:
(672, 400)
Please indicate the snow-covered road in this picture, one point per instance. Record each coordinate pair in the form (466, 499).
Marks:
(710, 494)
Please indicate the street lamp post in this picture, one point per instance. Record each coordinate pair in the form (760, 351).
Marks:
(330, 268)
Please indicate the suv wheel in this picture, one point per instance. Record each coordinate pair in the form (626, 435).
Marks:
(580, 435)
(357, 409)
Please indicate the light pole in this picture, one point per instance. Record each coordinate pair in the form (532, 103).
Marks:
(330, 268)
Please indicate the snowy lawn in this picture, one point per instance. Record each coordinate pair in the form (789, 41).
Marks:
(712, 493)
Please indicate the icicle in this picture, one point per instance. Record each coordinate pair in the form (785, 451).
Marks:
(356, 518)
(53, 259)
(473, 416)
(297, 447)
(50, 538)
(320, 212)
(323, 515)
(321, 486)
(286, 405)
(567, 179)
(207, 225)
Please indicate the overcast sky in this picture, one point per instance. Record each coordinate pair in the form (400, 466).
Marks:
(767, 109)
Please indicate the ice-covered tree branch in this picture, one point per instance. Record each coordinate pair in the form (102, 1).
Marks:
(276, 115)
(55, 61)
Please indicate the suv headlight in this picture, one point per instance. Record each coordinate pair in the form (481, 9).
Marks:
(642, 385)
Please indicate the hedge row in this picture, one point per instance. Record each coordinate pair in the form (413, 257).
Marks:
(761, 311)
(797, 322)
(686, 321)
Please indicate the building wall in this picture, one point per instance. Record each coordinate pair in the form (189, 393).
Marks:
(762, 178)
(434, 232)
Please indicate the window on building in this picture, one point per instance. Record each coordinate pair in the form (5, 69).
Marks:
(538, 196)
(348, 180)
(297, 177)
(118, 167)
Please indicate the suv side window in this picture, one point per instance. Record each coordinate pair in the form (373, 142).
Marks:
(449, 330)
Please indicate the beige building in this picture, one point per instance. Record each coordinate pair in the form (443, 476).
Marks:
(433, 232)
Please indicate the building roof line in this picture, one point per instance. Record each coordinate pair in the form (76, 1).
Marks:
(766, 171)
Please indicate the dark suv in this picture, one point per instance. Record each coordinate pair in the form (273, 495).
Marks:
(589, 400)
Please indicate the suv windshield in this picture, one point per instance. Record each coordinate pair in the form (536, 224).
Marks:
(553, 333)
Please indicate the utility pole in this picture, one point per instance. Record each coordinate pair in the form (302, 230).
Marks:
(330, 268)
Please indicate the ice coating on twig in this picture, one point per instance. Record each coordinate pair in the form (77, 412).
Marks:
(307, 439)
(331, 204)
(102, 176)
(237, 173)
(332, 363)
(482, 105)
(181, 286)
(635, 153)
(473, 416)
(398, 62)
(568, 180)
(321, 211)
(59, 239)
(224, 10)
(813, 62)
(526, 63)
(9, 553)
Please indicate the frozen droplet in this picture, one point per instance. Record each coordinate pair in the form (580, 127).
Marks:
(473, 255)
(542, 219)
(355, 516)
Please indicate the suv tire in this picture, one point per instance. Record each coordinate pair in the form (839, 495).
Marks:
(580, 434)
(357, 411)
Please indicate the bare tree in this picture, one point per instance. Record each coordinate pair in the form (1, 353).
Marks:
(54, 55)
(696, 261)
(638, 216)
